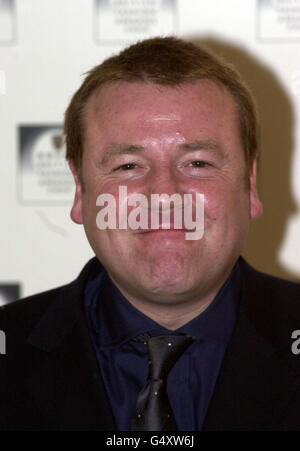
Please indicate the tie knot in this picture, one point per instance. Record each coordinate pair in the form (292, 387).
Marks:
(164, 351)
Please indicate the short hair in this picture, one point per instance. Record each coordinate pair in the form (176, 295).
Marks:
(166, 61)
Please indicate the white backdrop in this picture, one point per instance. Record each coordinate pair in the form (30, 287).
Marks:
(47, 45)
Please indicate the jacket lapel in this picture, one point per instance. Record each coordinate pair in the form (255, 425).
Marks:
(259, 372)
(67, 387)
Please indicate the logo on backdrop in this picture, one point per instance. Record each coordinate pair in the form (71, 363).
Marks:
(129, 21)
(278, 20)
(9, 293)
(7, 22)
(44, 176)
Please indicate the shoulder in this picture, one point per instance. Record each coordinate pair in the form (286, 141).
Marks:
(26, 312)
(272, 289)
(271, 304)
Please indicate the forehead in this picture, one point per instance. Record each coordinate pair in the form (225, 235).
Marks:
(136, 110)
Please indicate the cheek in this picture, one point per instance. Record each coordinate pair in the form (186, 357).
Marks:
(93, 189)
(224, 200)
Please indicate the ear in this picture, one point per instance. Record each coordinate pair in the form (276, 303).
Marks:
(76, 211)
(256, 208)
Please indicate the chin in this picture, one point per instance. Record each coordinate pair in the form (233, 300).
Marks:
(169, 292)
(171, 279)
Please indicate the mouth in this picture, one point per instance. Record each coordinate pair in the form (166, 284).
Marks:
(160, 230)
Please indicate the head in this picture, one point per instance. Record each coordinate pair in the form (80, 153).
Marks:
(164, 62)
(165, 116)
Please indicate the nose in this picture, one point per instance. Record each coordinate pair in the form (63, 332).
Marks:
(165, 198)
(162, 180)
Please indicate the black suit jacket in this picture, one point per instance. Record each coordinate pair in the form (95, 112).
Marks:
(50, 379)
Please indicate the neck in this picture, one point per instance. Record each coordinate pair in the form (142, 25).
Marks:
(172, 318)
(169, 314)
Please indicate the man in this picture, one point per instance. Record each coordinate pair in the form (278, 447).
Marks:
(158, 332)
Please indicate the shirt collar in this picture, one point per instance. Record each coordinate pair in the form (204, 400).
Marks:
(115, 320)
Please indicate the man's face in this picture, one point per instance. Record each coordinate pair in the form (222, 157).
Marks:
(153, 140)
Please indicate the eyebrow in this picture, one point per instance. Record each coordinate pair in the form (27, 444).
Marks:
(127, 148)
(205, 144)
(120, 149)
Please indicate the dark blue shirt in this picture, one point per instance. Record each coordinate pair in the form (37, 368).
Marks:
(114, 322)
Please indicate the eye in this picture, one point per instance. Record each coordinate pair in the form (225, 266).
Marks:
(200, 164)
(126, 167)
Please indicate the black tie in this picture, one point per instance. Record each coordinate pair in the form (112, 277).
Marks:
(153, 411)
